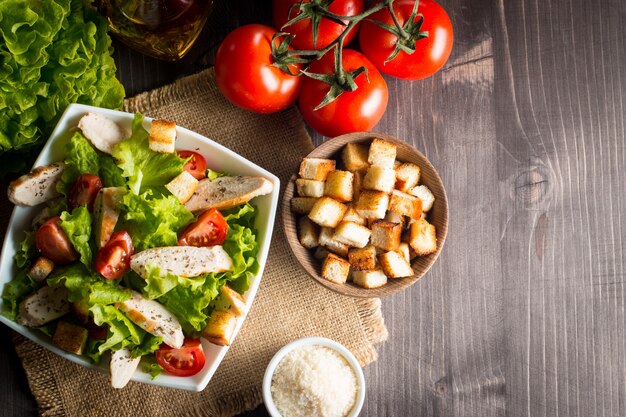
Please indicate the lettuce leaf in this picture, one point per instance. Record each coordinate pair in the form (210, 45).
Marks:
(28, 250)
(76, 278)
(80, 158)
(77, 227)
(142, 166)
(14, 292)
(110, 174)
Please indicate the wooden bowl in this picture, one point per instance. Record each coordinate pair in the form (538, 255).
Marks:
(438, 215)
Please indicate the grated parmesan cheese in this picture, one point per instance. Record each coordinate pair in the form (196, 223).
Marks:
(314, 381)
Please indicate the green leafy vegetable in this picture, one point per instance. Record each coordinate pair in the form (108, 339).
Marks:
(150, 366)
(27, 251)
(77, 227)
(52, 53)
(210, 174)
(242, 246)
(80, 158)
(76, 278)
(14, 292)
(110, 173)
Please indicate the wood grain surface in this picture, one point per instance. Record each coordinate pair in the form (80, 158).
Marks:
(524, 314)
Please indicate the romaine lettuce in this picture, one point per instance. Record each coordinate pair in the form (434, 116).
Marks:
(77, 227)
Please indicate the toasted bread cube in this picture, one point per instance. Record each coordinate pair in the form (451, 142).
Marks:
(372, 204)
(316, 168)
(379, 178)
(352, 234)
(80, 309)
(405, 250)
(407, 176)
(162, 136)
(357, 184)
(230, 300)
(393, 217)
(394, 265)
(353, 216)
(369, 279)
(354, 156)
(303, 205)
(326, 239)
(335, 269)
(423, 237)
(183, 186)
(339, 185)
(309, 188)
(362, 259)
(327, 212)
(423, 193)
(220, 328)
(321, 253)
(382, 153)
(308, 233)
(386, 235)
(40, 269)
(70, 337)
(405, 204)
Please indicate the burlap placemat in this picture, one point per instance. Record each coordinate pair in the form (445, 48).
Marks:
(289, 304)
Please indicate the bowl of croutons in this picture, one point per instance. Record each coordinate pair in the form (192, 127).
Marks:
(366, 215)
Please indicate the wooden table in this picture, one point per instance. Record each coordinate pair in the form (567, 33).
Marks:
(524, 314)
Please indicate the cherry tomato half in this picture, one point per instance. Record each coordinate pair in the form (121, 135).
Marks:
(53, 243)
(196, 166)
(113, 259)
(84, 191)
(186, 361)
(431, 53)
(328, 30)
(245, 75)
(210, 229)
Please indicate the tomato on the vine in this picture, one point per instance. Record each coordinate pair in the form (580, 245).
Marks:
(328, 30)
(354, 111)
(113, 260)
(186, 361)
(245, 75)
(431, 52)
(196, 166)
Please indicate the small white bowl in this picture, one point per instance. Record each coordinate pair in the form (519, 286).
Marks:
(311, 341)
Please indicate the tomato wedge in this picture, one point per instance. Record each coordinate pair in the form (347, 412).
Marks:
(113, 260)
(196, 166)
(210, 229)
(186, 361)
(53, 243)
(84, 191)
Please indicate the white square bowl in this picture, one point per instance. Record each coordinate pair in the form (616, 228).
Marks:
(219, 159)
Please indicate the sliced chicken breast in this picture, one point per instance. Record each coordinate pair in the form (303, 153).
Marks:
(227, 192)
(154, 318)
(185, 261)
(43, 306)
(106, 213)
(102, 132)
(122, 367)
(36, 187)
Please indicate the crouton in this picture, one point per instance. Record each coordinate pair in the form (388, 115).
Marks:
(321, 253)
(40, 269)
(327, 212)
(362, 259)
(302, 205)
(335, 269)
(353, 216)
(230, 300)
(183, 186)
(316, 168)
(162, 136)
(220, 328)
(326, 239)
(309, 188)
(407, 176)
(70, 337)
(393, 217)
(357, 184)
(372, 204)
(379, 178)
(354, 157)
(405, 204)
(423, 193)
(386, 235)
(308, 233)
(352, 234)
(339, 185)
(394, 265)
(405, 250)
(423, 237)
(80, 309)
(382, 153)
(369, 279)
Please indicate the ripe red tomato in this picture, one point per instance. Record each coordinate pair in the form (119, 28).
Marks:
(245, 75)
(53, 243)
(84, 191)
(355, 111)
(196, 166)
(328, 30)
(210, 229)
(186, 361)
(113, 259)
(431, 53)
